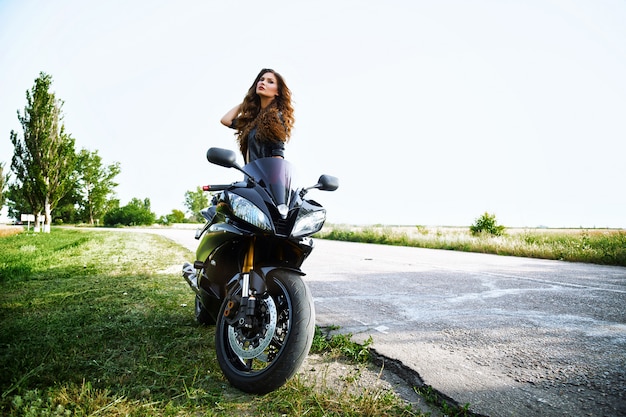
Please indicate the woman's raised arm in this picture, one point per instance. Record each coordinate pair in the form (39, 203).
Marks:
(227, 119)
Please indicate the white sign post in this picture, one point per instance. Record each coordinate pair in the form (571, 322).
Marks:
(27, 218)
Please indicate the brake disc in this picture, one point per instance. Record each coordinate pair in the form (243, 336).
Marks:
(251, 347)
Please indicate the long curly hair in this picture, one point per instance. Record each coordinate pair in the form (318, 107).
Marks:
(273, 123)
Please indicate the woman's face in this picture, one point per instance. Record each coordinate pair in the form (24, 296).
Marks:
(267, 86)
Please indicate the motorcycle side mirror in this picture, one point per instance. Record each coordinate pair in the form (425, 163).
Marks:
(225, 158)
(222, 157)
(327, 183)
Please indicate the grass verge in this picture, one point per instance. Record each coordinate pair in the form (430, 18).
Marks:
(598, 246)
(101, 324)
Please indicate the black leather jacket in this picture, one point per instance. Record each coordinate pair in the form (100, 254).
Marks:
(261, 149)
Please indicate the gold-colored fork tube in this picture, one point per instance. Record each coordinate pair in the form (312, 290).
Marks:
(248, 263)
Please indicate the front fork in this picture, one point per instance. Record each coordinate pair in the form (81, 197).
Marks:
(246, 309)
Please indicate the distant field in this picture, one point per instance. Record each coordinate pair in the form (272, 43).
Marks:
(599, 246)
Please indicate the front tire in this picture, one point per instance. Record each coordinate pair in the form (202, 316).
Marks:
(262, 359)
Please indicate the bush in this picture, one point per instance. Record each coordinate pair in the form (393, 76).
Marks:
(486, 224)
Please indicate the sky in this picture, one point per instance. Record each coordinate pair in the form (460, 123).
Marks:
(429, 112)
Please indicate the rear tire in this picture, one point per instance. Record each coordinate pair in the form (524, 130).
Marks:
(255, 361)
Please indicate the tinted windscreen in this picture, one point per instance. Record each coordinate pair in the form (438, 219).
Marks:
(274, 174)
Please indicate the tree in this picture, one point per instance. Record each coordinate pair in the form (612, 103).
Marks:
(196, 201)
(68, 209)
(487, 224)
(4, 179)
(176, 216)
(44, 159)
(95, 184)
(16, 202)
(135, 213)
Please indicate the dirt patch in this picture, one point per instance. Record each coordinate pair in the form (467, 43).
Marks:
(341, 376)
(10, 230)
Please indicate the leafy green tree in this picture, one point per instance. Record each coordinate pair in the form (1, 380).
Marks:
(68, 209)
(16, 202)
(135, 213)
(4, 179)
(196, 201)
(176, 216)
(95, 184)
(487, 224)
(44, 158)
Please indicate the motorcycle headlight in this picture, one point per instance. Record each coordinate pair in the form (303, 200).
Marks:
(249, 213)
(308, 222)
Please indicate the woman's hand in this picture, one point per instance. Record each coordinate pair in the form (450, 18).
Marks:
(227, 119)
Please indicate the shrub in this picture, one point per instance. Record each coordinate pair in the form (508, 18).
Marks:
(486, 224)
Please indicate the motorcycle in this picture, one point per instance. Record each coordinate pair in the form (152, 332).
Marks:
(247, 275)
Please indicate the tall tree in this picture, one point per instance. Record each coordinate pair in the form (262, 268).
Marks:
(16, 202)
(4, 179)
(196, 201)
(96, 184)
(44, 158)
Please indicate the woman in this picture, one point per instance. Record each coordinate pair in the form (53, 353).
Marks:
(264, 119)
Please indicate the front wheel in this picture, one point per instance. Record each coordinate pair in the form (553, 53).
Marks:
(260, 357)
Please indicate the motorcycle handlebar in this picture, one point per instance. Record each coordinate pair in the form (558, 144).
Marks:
(216, 187)
(222, 187)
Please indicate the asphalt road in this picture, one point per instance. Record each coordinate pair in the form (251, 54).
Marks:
(510, 336)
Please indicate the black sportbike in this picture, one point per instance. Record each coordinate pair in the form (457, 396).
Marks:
(247, 277)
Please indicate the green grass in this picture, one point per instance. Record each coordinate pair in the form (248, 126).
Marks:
(598, 246)
(340, 345)
(102, 324)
